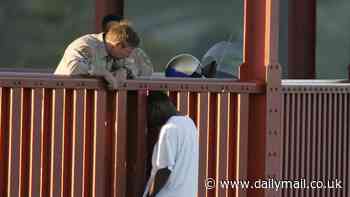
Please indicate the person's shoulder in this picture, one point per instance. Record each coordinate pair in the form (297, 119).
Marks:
(87, 40)
(180, 118)
(138, 52)
(180, 121)
(98, 36)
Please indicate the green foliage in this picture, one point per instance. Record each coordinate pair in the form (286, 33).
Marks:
(40, 30)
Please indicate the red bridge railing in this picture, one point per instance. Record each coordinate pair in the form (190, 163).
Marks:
(316, 136)
(63, 136)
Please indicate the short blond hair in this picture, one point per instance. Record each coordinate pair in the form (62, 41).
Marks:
(122, 32)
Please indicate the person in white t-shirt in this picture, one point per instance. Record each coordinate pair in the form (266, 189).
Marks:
(175, 155)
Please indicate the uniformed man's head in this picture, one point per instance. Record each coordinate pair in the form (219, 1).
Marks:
(121, 39)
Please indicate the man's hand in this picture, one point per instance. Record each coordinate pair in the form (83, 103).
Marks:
(160, 180)
(120, 74)
(111, 80)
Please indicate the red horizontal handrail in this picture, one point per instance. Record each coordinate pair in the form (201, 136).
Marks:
(32, 80)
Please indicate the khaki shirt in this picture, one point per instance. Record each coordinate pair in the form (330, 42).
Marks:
(87, 55)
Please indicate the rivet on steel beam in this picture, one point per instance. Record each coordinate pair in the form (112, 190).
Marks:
(276, 110)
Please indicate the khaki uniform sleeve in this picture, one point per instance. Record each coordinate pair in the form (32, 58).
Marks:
(76, 61)
(81, 60)
(140, 61)
(91, 60)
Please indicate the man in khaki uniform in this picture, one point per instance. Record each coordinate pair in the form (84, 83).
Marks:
(106, 56)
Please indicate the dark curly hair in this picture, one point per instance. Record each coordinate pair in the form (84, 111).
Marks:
(159, 109)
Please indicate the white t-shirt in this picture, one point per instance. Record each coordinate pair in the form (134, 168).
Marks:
(177, 149)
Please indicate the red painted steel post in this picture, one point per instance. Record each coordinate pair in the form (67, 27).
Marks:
(104, 7)
(301, 39)
(137, 144)
(261, 64)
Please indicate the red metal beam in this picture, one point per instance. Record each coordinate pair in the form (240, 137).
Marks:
(136, 142)
(261, 64)
(104, 7)
(302, 39)
(179, 84)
